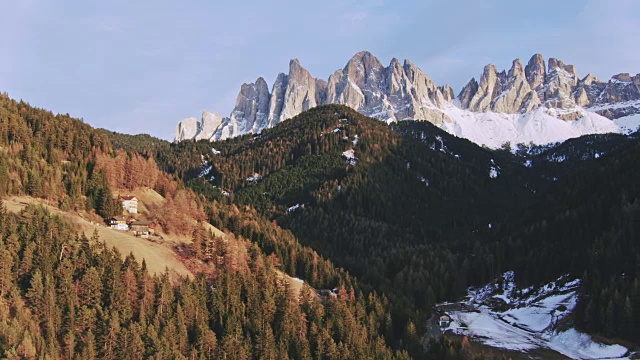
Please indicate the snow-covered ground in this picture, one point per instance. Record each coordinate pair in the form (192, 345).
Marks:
(254, 178)
(205, 170)
(628, 124)
(494, 170)
(351, 156)
(538, 127)
(527, 319)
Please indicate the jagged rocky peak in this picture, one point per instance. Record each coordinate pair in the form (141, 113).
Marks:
(467, 93)
(418, 78)
(621, 88)
(423, 89)
(516, 95)
(523, 88)
(624, 77)
(560, 85)
(447, 92)
(516, 68)
(590, 79)
(252, 105)
(488, 89)
(363, 68)
(250, 112)
(301, 93)
(296, 71)
(394, 77)
(555, 63)
(536, 71)
(587, 90)
(277, 99)
(359, 83)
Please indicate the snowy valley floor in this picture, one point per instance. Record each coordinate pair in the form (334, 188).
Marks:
(523, 320)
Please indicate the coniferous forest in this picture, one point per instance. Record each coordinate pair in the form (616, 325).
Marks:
(413, 218)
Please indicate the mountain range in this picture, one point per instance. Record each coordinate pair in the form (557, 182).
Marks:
(534, 103)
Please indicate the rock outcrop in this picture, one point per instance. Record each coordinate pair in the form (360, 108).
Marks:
(192, 129)
(187, 129)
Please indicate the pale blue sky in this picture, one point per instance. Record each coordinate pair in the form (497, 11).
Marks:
(141, 66)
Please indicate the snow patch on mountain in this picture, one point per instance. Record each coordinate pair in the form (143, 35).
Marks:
(351, 156)
(254, 178)
(205, 170)
(628, 124)
(494, 170)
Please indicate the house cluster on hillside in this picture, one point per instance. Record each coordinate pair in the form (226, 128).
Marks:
(139, 227)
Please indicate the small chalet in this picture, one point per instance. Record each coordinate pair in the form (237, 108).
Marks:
(325, 294)
(142, 228)
(129, 203)
(118, 223)
(444, 320)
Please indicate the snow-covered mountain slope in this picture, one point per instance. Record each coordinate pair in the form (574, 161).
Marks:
(539, 126)
(503, 316)
(626, 114)
(536, 103)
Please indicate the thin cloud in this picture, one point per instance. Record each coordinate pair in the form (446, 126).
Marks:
(353, 21)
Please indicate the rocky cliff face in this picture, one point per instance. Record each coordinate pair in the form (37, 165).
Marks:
(396, 92)
(250, 113)
(402, 91)
(556, 86)
(203, 129)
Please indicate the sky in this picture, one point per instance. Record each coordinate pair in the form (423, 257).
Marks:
(141, 66)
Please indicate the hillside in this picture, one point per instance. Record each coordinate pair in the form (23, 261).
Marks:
(157, 256)
(397, 218)
(70, 295)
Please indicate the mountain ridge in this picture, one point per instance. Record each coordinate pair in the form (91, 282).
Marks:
(403, 91)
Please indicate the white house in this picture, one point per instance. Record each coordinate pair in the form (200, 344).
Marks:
(444, 320)
(118, 223)
(129, 203)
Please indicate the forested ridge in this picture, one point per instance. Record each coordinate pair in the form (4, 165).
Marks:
(65, 296)
(414, 219)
